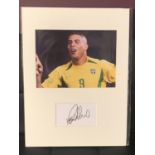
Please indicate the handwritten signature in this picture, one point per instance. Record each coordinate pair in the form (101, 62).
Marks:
(76, 113)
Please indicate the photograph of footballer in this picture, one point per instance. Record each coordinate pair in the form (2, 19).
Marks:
(80, 68)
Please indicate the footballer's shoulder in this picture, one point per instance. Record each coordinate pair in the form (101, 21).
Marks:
(58, 71)
(93, 60)
(99, 61)
(64, 67)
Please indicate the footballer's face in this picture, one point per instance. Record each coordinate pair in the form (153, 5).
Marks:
(77, 46)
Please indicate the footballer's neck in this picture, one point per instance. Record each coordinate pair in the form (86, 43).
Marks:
(80, 61)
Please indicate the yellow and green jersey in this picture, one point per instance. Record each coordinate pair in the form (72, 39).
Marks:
(91, 74)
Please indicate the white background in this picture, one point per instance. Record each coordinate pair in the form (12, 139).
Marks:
(145, 93)
(111, 103)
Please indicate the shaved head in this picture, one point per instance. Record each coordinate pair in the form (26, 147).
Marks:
(80, 34)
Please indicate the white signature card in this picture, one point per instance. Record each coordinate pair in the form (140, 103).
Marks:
(75, 114)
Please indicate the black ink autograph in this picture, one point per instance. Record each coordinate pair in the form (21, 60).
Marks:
(76, 113)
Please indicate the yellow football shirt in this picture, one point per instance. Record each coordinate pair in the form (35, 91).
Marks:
(91, 74)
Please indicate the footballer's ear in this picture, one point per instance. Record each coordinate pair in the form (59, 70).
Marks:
(86, 46)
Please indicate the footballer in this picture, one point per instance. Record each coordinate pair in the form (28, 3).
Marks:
(81, 72)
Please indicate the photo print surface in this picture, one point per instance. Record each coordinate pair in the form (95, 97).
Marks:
(75, 59)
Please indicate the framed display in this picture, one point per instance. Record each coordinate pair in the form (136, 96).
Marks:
(76, 76)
